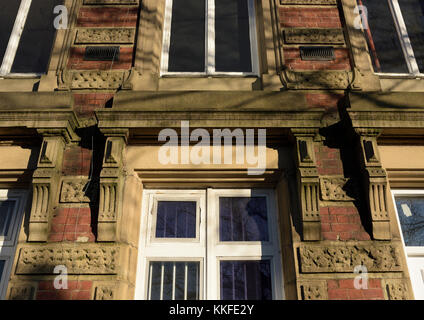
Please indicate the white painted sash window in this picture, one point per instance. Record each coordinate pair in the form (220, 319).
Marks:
(395, 32)
(11, 211)
(209, 37)
(26, 37)
(209, 244)
(410, 213)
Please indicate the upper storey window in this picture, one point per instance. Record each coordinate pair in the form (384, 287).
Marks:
(26, 37)
(209, 37)
(395, 35)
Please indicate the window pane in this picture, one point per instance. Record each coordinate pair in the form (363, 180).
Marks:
(6, 210)
(187, 43)
(246, 280)
(176, 219)
(2, 263)
(383, 40)
(36, 42)
(232, 36)
(413, 15)
(411, 216)
(243, 219)
(8, 11)
(175, 280)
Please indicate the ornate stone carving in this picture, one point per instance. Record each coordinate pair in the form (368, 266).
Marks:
(81, 259)
(377, 258)
(121, 2)
(318, 79)
(74, 191)
(22, 293)
(313, 36)
(396, 290)
(105, 35)
(311, 2)
(105, 293)
(314, 290)
(108, 202)
(332, 189)
(102, 80)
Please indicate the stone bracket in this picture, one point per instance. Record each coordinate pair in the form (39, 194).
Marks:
(308, 183)
(375, 180)
(45, 187)
(111, 185)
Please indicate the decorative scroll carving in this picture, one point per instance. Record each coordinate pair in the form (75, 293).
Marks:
(313, 36)
(318, 79)
(396, 290)
(22, 293)
(79, 259)
(105, 293)
(308, 183)
(311, 2)
(332, 189)
(105, 35)
(74, 192)
(376, 258)
(314, 290)
(101, 80)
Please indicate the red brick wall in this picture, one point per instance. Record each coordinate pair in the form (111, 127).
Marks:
(293, 60)
(77, 290)
(76, 161)
(313, 17)
(71, 224)
(76, 60)
(107, 17)
(344, 289)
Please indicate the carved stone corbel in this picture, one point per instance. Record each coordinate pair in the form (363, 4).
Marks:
(45, 185)
(308, 183)
(375, 181)
(111, 184)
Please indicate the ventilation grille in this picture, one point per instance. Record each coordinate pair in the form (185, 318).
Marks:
(317, 53)
(102, 53)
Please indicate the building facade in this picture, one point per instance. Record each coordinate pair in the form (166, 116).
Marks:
(211, 149)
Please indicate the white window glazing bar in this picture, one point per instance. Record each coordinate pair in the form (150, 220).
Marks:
(174, 271)
(12, 46)
(253, 39)
(210, 26)
(162, 274)
(166, 42)
(403, 36)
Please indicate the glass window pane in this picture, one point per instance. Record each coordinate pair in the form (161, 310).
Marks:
(383, 40)
(413, 15)
(232, 36)
(176, 219)
(2, 263)
(411, 216)
(187, 43)
(6, 211)
(8, 11)
(246, 280)
(243, 219)
(36, 42)
(174, 280)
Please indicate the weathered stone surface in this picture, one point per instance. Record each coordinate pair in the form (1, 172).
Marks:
(314, 290)
(105, 293)
(332, 189)
(311, 2)
(22, 292)
(376, 258)
(80, 259)
(74, 191)
(318, 79)
(396, 290)
(120, 2)
(105, 35)
(313, 36)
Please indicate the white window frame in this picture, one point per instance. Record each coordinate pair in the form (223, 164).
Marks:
(405, 43)
(209, 43)
(8, 243)
(211, 252)
(13, 44)
(414, 254)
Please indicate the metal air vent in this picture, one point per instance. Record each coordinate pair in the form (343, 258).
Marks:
(94, 53)
(317, 53)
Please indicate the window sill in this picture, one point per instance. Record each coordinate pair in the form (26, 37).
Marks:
(405, 76)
